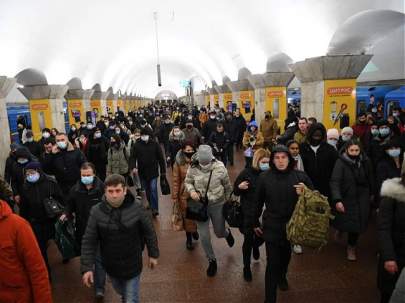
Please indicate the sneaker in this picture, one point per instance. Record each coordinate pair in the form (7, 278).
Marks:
(247, 274)
(195, 235)
(229, 239)
(297, 249)
(351, 253)
(283, 284)
(256, 253)
(212, 268)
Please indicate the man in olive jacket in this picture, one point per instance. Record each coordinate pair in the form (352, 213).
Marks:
(120, 226)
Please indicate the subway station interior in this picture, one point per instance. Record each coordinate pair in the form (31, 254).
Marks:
(69, 63)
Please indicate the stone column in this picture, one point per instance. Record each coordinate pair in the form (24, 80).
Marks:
(46, 99)
(6, 85)
(328, 87)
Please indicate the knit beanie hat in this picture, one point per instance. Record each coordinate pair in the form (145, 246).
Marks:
(204, 154)
(347, 129)
(332, 133)
(33, 165)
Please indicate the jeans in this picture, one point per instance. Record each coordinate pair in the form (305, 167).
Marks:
(218, 222)
(127, 289)
(151, 192)
(278, 258)
(99, 274)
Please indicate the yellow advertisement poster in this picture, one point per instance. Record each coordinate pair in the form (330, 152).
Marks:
(96, 107)
(76, 111)
(227, 99)
(216, 100)
(40, 116)
(246, 103)
(207, 100)
(339, 103)
(276, 103)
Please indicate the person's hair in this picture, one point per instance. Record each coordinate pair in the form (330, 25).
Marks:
(304, 118)
(258, 155)
(187, 143)
(116, 138)
(351, 143)
(115, 180)
(290, 142)
(61, 134)
(88, 165)
(313, 119)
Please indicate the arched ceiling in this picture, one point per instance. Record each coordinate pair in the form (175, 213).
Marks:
(113, 42)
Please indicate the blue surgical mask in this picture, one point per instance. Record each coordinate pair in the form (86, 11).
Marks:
(346, 138)
(87, 180)
(61, 144)
(264, 166)
(33, 178)
(97, 135)
(385, 131)
(332, 142)
(394, 152)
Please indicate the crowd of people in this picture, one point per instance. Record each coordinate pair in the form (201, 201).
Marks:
(99, 172)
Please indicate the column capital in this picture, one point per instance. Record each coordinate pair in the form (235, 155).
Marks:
(330, 67)
(44, 91)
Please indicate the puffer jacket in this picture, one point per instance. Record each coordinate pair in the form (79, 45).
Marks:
(117, 160)
(23, 274)
(197, 177)
(179, 193)
(121, 233)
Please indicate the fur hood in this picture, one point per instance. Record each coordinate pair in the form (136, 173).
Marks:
(180, 158)
(181, 136)
(393, 188)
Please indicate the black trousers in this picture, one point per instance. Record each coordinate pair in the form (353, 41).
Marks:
(229, 153)
(43, 231)
(352, 239)
(250, 241)
(278, 258)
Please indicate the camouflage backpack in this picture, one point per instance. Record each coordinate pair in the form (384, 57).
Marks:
(309, 223)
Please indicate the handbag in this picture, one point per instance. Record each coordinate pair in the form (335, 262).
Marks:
(65, 239)
(164, 185)
(52, 207)
(197, 210)
(232, 211)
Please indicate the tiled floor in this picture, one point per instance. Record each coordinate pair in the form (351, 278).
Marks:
(324, 277)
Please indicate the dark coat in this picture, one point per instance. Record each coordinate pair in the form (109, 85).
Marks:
(386, 169)
(219, 142)
(319, 166)
(80, 202)
(208, 128)
(350, 184)
(65, 165)
(97, 154)
(276, 190)
(391, 231)
(34, 147)
(33, 196)
(247, 196)
(240, 127)
(120, 232)
(165, 129)
(231, 128)
(147, 158)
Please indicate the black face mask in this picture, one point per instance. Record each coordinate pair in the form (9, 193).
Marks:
(353, 157)
(189, 154)
(189, 126)
(314, 142)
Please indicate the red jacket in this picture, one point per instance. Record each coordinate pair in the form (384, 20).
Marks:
(23, 273)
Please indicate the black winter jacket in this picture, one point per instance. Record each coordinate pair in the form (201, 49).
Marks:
(34, 148)
(120, 232)
(147, 157)
(319, 166)
(33, 195)
(208, 128)
(65, 165)
(247, 196)
(386, 169)
(276, 190)
(351, 184)
(97, 151)
(80, 202)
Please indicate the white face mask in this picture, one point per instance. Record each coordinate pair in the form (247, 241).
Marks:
(30, 139)
(46, 135)
(145, 138)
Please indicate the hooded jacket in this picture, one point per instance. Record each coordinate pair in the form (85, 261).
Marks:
(269, 128)
(117, 160)
(23, 274)
(197, 178)
(276, 190)
(319, 165)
